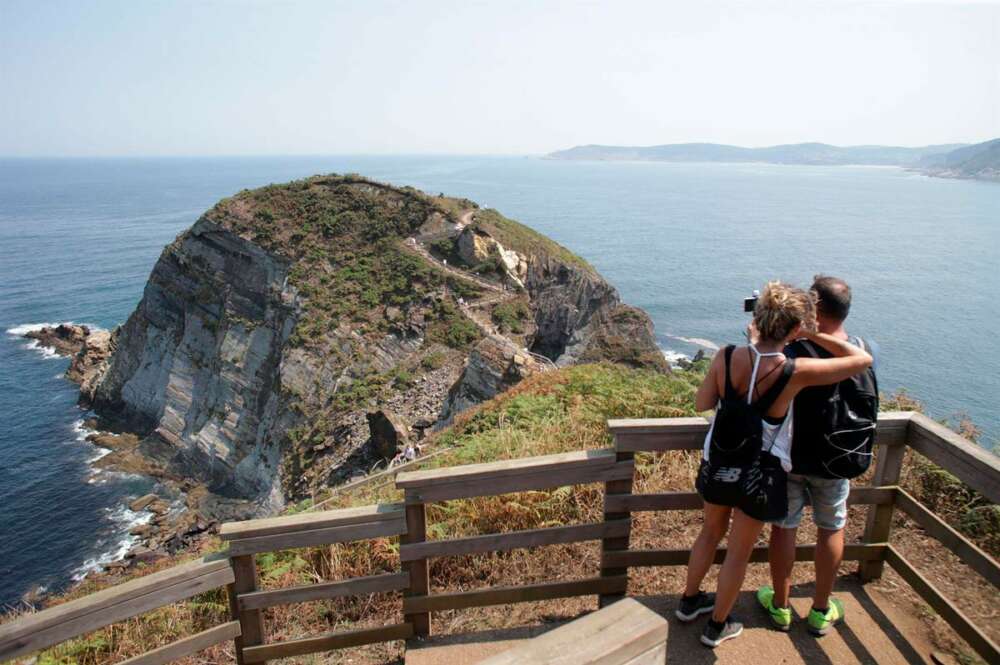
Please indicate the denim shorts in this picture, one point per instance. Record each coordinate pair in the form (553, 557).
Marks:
(827, 496)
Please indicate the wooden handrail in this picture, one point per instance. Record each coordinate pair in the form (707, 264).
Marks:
(973, 465)
(124, 601)
(662, 434)
(273, 526)
(491, 471)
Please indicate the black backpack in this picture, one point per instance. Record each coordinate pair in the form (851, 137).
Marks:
(740, 471)
(841, 436)
(737, 431)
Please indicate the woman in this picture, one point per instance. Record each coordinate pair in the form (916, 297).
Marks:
(750, 486)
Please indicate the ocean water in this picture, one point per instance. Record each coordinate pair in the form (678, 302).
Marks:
(686, 242)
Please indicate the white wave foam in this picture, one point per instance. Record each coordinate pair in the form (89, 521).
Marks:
(118, 545)
(44, 351)
(101, 452)
(697, 341)
(24, 329)
(674, 357)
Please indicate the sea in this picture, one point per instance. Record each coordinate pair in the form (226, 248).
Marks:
(686, 242)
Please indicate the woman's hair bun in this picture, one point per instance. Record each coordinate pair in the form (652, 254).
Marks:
(780, 307)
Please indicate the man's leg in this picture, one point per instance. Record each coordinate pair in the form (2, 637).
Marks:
(829, 501)
(781, 556)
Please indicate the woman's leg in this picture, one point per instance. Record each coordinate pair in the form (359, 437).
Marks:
(716, 522)
(742, 538)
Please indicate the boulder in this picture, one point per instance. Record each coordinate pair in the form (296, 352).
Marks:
(160, 507)
(388, 432)
(143, 502)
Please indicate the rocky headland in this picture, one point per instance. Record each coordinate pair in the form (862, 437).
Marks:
(298, 335)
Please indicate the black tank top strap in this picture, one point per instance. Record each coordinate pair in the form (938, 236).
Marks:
(730, 391)
(768, 399)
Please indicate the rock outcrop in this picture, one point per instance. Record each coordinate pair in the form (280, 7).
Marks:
(494, 365)
(269, 330)
(389, 434)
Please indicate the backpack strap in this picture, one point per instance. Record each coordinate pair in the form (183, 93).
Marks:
(771, 396)
(810, 349)
(730, 392)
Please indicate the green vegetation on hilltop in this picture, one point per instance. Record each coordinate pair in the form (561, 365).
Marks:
(344, 235)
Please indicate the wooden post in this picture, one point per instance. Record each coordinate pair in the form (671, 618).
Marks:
(251, 621)
(618, 543)
(416, 532)
(879, 522)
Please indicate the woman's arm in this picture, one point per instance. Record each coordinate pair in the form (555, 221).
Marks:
(847, 361)
(708, 392)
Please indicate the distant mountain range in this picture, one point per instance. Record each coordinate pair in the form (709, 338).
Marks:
(981, 160)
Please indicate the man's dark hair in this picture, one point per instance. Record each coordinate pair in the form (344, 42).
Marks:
(833, 297)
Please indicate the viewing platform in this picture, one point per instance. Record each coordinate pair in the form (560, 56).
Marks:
(636, 631)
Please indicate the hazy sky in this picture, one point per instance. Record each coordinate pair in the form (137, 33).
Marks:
(184, 78)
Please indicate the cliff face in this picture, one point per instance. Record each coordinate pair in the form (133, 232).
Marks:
(269, 330)
(198, 363)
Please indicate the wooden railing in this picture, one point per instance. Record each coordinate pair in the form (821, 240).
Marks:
(78, 617)
(614, 468)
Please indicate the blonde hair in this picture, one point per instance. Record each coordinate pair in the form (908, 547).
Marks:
(780, 308)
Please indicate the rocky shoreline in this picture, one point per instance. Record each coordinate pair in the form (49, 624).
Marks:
(171, 527)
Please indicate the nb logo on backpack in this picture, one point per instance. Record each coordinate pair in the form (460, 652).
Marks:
(727, 474)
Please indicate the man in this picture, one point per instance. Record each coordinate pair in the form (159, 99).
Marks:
(811, 483)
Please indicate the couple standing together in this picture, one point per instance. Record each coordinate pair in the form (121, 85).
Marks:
(795, 420)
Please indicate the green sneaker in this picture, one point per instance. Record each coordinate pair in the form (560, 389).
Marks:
(820, 622)
(781, 617)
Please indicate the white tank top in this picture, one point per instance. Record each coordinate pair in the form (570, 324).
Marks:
(777, 438)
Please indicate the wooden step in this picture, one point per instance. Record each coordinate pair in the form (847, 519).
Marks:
(624, 633)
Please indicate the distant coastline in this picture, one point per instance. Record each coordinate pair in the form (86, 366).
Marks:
(980, 161)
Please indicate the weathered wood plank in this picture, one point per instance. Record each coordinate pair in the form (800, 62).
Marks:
(310, 521)
(519, 594)
(307, 645)
(336, 534)
(639, 558)
(878, 522)
(978, 640)
(111, 596)
(502, 542)
(972, 464)
(21, 636)
(187, 646)
(972, 556)
(418, 570)
(692, 501)
(663, 434)
(251, 621)
(308, 592)
(520, 483)
(622, 487)
(514, 467)
(614, 635)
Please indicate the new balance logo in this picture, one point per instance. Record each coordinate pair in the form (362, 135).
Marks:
(727, 474)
